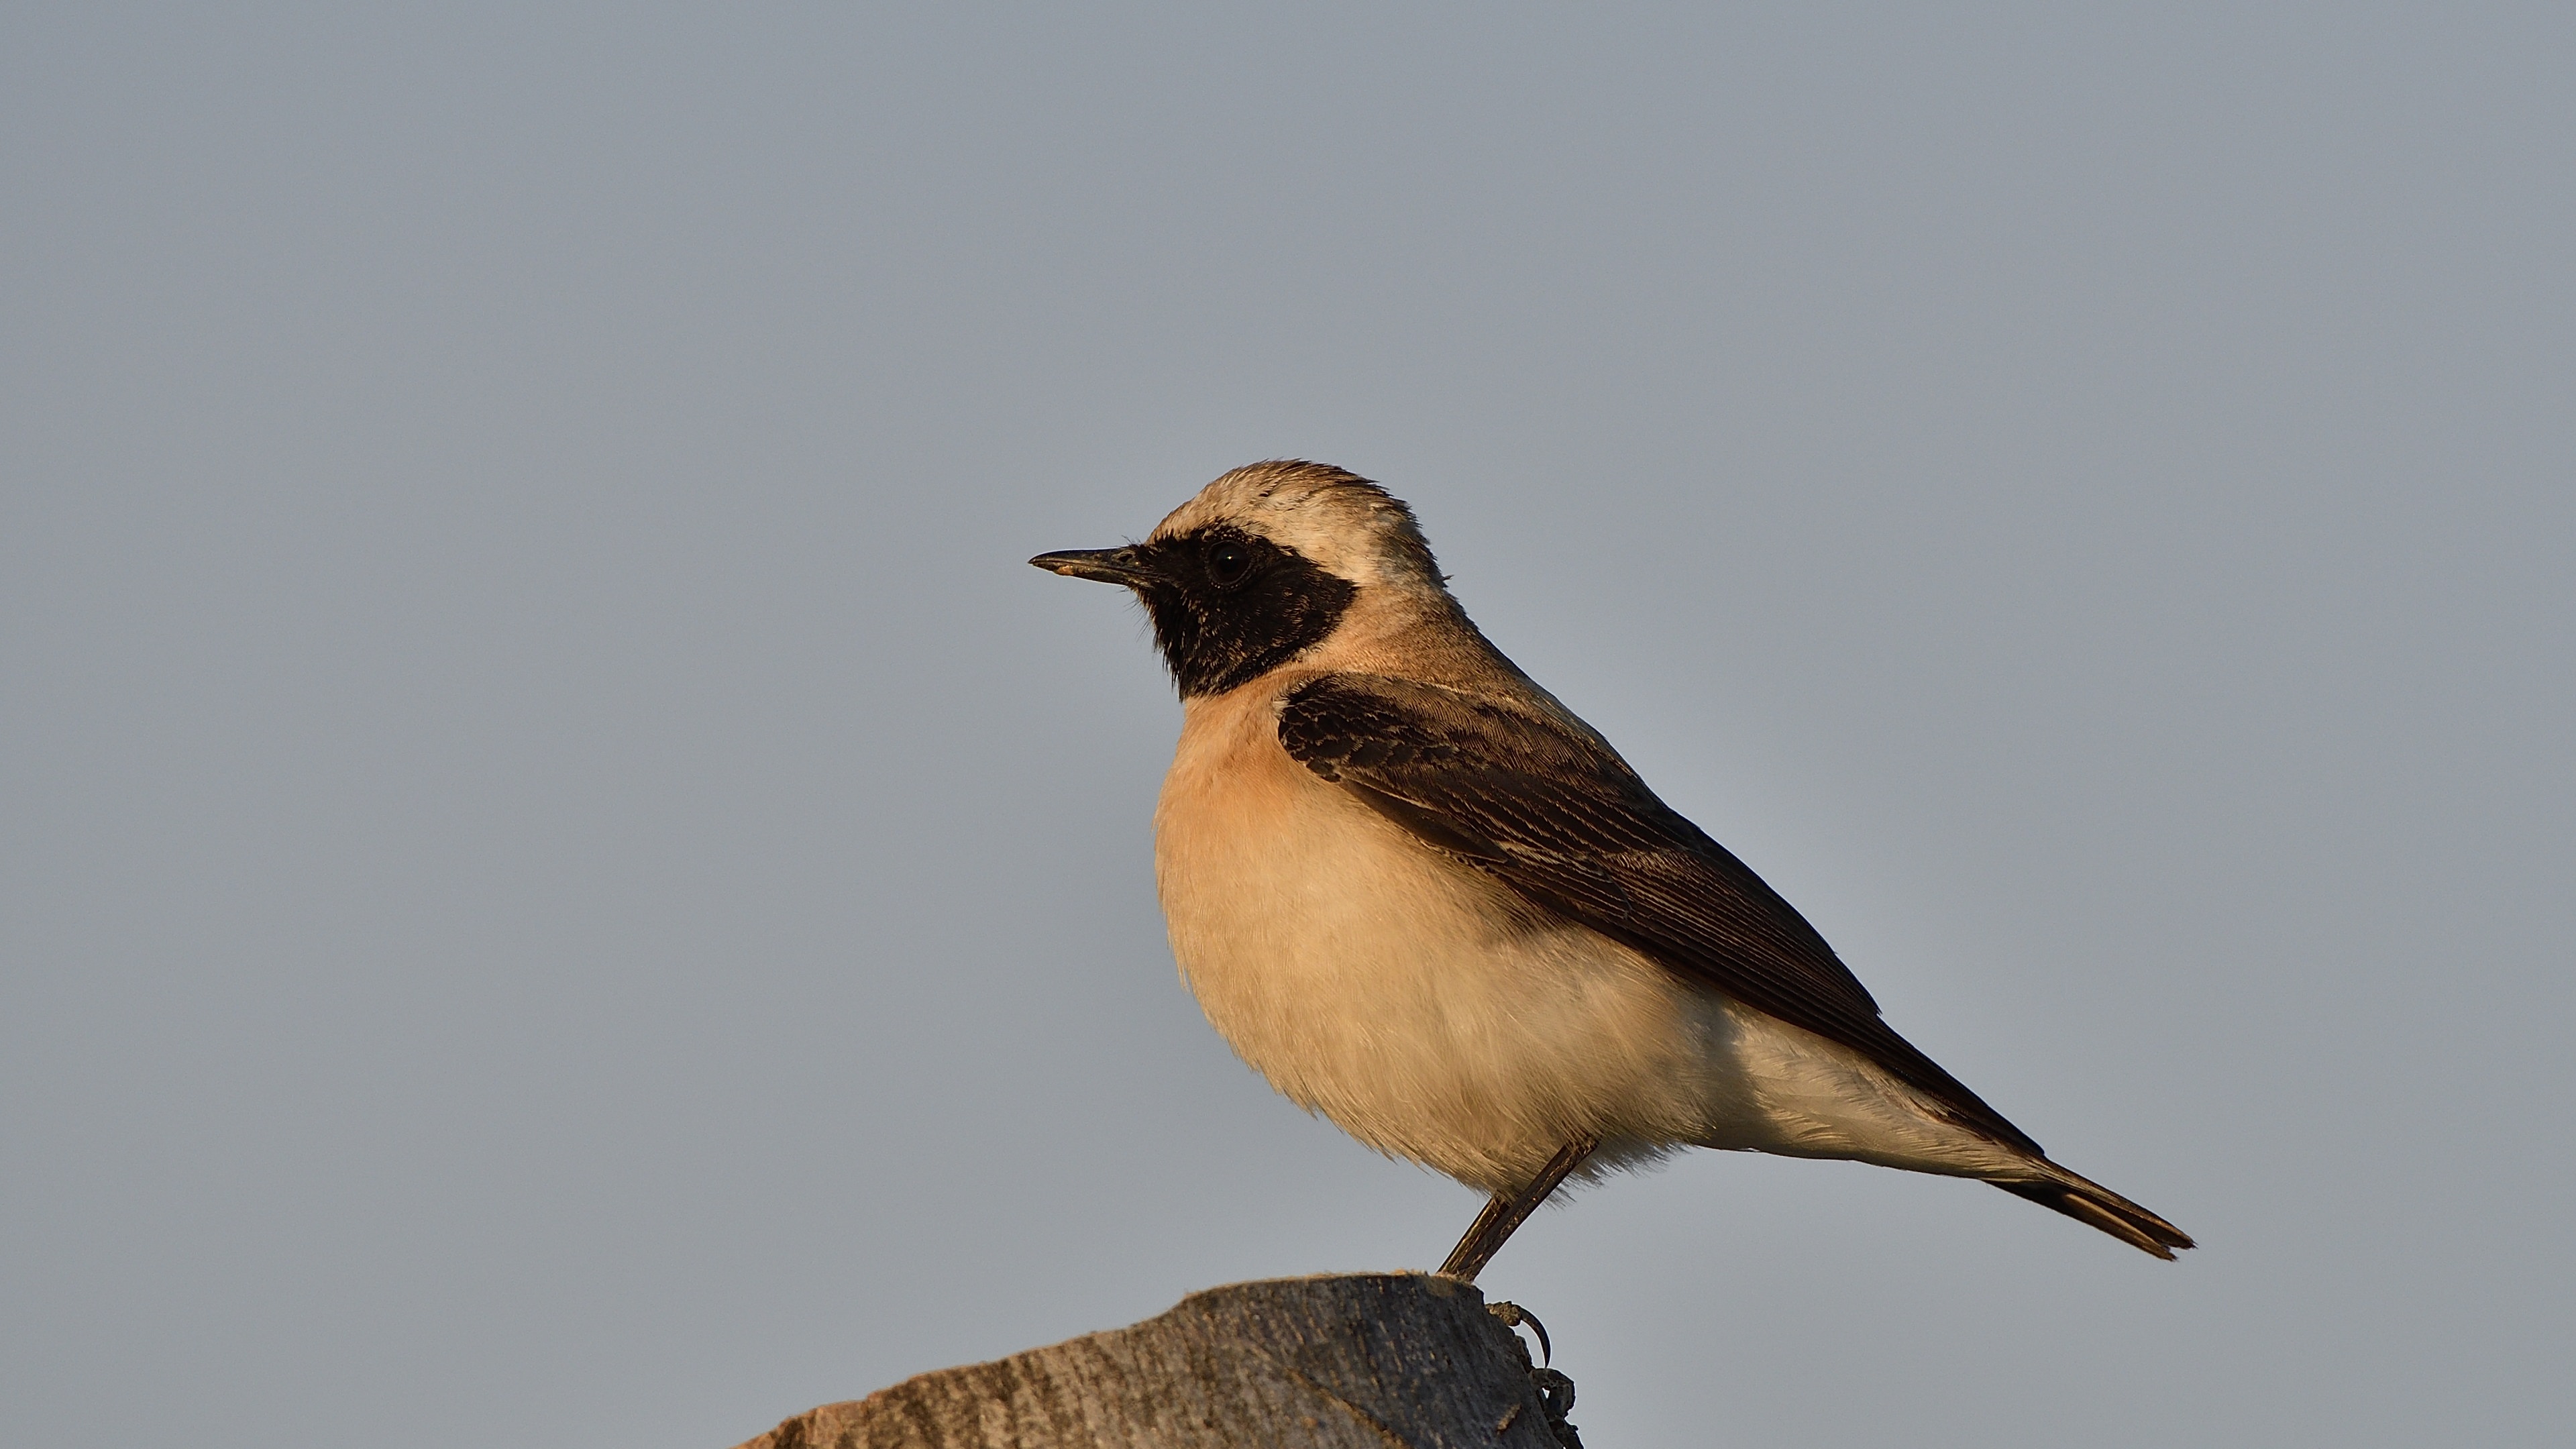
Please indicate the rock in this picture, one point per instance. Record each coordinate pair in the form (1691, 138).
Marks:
(1367, 1361)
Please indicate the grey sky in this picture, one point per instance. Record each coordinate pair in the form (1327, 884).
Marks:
(566, 884)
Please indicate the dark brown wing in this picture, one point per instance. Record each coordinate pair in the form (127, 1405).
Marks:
(1568, 827)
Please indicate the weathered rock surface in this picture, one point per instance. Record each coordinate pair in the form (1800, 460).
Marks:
(1369, 1361)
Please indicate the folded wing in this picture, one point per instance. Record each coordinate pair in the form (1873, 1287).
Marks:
(1555, 815)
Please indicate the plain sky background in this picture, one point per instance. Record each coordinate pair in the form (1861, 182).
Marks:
(566, 884)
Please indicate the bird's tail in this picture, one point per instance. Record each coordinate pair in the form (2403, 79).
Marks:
(2093, 1204)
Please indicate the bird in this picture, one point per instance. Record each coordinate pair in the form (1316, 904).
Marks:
(1425, 900)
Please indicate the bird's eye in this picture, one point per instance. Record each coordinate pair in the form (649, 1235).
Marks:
(1227, 563)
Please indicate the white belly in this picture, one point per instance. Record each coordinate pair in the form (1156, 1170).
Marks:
(1422, 1009)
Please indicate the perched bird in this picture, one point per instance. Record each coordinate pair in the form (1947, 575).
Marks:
(1425, 900)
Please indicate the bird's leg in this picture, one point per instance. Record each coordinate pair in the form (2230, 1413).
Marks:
(1505, 1214)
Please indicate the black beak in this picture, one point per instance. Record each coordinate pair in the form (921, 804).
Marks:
(1109, 565)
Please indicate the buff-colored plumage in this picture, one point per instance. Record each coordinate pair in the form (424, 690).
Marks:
(1435, 993)
(1407, 997)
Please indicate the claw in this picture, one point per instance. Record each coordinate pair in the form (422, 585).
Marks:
(1513, 1316)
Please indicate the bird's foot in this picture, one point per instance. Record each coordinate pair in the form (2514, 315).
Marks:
(1513, 1316)
(1555, 1390)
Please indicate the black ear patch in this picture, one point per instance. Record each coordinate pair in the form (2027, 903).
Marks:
(1229, 606)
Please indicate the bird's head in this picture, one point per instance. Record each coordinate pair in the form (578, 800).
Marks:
(1262, 566)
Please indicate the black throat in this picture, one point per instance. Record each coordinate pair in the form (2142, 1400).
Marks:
(1230, 606)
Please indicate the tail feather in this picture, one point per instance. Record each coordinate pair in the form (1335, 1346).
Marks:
(2097, 1206)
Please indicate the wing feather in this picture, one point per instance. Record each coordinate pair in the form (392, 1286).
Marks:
(1557, 817)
